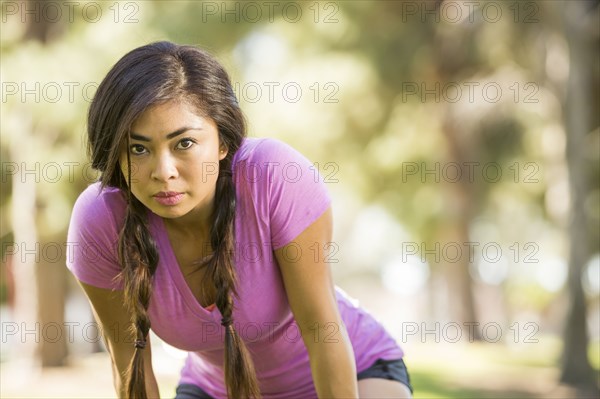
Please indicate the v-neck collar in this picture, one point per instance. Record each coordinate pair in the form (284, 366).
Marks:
(171, 264)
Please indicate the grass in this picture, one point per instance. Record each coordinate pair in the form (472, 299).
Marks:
(486, 371)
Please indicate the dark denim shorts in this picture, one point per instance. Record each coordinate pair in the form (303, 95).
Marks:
(387, 369)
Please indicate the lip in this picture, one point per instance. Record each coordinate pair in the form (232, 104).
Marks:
(168, 198)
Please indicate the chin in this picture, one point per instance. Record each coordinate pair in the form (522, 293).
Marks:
(170, 214)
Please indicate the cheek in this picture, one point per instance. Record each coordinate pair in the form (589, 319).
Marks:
(136, 176)
(209, 171)
(123, 167)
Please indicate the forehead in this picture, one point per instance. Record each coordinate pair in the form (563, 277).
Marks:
(166, 117)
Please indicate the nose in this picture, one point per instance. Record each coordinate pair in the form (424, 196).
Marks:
(165, 168)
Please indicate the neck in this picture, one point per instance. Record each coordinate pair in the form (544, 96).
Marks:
(196, 223)
(194, 230)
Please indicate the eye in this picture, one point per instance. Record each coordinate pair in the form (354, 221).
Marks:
(137, 149)
(184, 144)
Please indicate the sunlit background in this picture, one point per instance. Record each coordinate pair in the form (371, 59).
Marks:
(459, 140)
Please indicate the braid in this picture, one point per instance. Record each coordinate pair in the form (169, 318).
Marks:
(240, 376)
(139, 257)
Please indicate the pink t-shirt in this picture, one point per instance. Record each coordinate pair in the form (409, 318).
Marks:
(279, 194)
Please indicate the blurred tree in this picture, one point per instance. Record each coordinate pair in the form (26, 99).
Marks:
(412, 48)
(24, 267)
(581, 31)
(40, 26)
(458, 54)
(39, 285)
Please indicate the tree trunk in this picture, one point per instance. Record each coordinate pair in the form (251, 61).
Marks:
(576, 369)
(51, 290)
(26, 252)
(462, 203)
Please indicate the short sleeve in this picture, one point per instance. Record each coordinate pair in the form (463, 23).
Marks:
(295, 191)
(92, 240)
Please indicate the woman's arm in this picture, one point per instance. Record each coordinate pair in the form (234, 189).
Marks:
(114, 321)
(310, 291)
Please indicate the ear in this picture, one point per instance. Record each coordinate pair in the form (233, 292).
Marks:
(222, 152)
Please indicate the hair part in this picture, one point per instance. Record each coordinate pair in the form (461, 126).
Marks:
(150, 75)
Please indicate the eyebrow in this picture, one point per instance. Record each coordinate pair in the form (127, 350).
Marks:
(169, 136)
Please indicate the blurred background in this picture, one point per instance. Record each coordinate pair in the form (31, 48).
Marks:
(459, 139)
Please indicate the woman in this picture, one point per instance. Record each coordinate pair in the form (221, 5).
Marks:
(217, 242)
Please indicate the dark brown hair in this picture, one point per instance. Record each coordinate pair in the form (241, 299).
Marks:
(147, 76)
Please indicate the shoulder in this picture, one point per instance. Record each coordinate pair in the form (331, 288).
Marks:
(283, 185)
(98, 213)
(97, 217)
(268, 160)
(95, 204)
(263, 149)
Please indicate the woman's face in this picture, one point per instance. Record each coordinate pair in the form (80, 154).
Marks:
(175, 156)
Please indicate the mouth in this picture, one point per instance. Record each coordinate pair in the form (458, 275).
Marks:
(168, 198)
